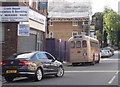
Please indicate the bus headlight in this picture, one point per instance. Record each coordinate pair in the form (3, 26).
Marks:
(84, 54)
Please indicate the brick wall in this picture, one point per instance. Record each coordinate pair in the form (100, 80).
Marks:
(63, 30)
(9, 45)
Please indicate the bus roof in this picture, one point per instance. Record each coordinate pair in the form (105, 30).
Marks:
(82, 37)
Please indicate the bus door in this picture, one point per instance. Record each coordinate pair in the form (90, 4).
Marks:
(84, 50)
(75, 51)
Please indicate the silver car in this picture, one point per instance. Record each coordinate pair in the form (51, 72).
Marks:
(105, 53)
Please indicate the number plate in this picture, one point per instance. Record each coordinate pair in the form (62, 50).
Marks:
(11, 71)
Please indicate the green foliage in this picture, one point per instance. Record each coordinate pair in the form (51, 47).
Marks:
(99, 35)
(98, 20)
(92, 27)
(112, 25)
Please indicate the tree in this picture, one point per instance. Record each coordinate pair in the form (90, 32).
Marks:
(98, 21)
(99, 36)
(112, 25)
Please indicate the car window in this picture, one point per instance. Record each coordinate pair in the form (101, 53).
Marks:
(49, 56)
(25, 55)
(41, 55)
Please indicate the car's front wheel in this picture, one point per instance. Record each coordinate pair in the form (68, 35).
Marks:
(60, 72)
(38, 74)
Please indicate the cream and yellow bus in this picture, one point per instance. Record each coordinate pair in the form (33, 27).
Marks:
(84, 49)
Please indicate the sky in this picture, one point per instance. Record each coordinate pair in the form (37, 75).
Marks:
(98, 5)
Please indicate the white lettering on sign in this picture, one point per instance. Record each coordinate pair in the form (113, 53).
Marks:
(37, 17)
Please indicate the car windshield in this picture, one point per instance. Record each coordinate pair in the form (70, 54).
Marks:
(25, 55)
(105, 50)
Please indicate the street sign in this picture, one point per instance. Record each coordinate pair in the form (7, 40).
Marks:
(23, 30)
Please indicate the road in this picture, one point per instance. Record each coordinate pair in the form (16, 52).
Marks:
(104, 73)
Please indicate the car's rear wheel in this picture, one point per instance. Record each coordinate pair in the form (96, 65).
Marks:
(60, 72)
(9, 78)
(38, 74)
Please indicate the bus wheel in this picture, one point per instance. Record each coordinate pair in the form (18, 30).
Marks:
(98, 59)
(93, 63)
(83, 63)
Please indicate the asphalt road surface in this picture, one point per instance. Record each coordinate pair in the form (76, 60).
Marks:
(104, 73)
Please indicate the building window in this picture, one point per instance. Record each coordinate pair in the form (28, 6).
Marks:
(74, 33)
(43, 5)
(75, 23)
(51, 23)
(30, 3)
(1, 33)
(51, 35)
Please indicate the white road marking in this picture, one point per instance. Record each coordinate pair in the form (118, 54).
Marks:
(108, 71)
(111, 59)
(110, 82)
(93, 71)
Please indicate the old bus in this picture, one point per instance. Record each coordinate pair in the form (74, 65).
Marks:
(84, 49)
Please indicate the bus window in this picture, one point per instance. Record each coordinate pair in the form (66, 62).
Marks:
(72, 44)
(84, 43)
(78, 44)
(93, 44)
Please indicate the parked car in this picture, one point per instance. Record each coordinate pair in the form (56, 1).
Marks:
(110, 48)
(105, 53)
(31, 64)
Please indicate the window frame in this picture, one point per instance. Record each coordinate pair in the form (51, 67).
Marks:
(51, 23)
(74, 23)
(74, 32)
(51, 36)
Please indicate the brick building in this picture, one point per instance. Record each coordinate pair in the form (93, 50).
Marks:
(12, 40)
(64, 28)
(68, 18)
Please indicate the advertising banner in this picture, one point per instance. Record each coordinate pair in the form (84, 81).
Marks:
(14, 14)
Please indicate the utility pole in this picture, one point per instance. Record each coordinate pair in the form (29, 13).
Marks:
(47, 25)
